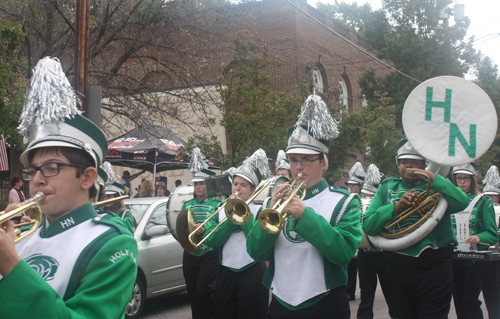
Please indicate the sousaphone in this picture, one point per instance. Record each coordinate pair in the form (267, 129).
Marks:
(450, 121)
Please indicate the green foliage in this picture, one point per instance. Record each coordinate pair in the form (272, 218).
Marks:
(11, 85)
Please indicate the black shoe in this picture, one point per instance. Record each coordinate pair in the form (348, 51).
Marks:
(351, 297)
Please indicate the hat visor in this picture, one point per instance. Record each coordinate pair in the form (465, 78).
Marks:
(491, 193)
(411, 156)
(24, 155)
(301, 150)
(198, 179)
(110, 192)
(367, 192)
(463, 171)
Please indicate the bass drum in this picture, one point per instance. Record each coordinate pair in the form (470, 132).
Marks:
(177, 198)
(267, 192)
(365, 242)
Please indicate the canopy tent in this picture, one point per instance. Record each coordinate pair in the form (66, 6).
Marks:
(140, 150)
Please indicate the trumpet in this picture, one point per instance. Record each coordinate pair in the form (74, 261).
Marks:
(237, 212)
(104, 202)
(29, 204)
(272, 220)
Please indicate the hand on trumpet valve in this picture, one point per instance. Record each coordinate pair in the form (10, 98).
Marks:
(199, 230)
(295, 207)
(279, 193)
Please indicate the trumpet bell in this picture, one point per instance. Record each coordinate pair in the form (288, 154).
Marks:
(33, 209)
(271, 221)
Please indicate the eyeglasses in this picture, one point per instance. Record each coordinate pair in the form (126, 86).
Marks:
(47, 170)
(463, 179)
(303, 162)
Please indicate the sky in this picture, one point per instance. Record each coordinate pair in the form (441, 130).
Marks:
(483, 14)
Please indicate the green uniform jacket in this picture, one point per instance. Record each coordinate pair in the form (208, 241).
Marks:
(100, 287)
(202, 210)
(482, 222)
(338, 244)
(382, 210)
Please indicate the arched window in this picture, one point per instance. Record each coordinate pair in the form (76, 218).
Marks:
(317, 86)
(343, 96)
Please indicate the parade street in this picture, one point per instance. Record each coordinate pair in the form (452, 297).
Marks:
(176, 306)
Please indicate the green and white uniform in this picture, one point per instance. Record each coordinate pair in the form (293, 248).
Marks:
(234, 255)
(65, 262)
(392, 189)
(202, 210)
(310, 255)
(481, 222)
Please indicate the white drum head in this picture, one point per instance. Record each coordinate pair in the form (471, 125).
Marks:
(449, 120)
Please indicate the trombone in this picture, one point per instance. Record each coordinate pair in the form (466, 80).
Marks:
(237, 212)
(104, 202)
(32, 203)
(272, 220)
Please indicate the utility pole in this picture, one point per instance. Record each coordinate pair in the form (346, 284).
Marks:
(82, 53)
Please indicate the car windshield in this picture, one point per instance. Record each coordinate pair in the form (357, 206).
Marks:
(138, 210)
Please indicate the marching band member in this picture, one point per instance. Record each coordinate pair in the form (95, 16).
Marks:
(77, 264)
(112, 190)
(240, 293)
(308, 257)
(371, 262)
(491, 280)
(201, 267)
(282, 165)
(480, 217)
(354, 185)
(421, 275)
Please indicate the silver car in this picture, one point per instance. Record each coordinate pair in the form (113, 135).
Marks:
(160, 255)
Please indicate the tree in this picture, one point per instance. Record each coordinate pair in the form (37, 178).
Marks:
(139, 51)
(253, 115)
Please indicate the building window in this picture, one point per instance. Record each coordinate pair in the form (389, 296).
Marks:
(343, 96)
(317, 82)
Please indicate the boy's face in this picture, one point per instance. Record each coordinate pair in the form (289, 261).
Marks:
(64, 192)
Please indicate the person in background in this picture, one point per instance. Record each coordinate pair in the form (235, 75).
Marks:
(160, 190)
(201, 267)
(282, 165)
(178, 183)
(16, 196)
(127, 178)
(491, 279)
(354, 184)
(479, 216)
(371, 262)
(146, 189)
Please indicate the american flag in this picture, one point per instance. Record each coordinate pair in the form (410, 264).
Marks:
(4, 160)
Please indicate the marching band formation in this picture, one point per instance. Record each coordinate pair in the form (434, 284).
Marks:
(281, 255)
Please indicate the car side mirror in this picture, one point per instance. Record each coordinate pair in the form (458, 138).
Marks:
(157, 230)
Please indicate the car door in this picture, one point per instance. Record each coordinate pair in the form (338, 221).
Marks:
(165, 255)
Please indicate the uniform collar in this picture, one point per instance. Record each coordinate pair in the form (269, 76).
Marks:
(68, 221)
(316, 189)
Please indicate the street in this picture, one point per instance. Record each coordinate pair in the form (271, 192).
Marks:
(176, 306)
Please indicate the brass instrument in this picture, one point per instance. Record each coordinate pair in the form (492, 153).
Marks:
(272, 220)
(104, 202)
(237, 212)
(29, 204)
(423, 205)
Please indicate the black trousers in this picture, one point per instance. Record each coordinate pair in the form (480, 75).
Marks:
(241, 295)
(200, 273)
(352, 275)
(422, 286)
(334, 305)
(491, 289)
(370, 266)
(467, 284)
